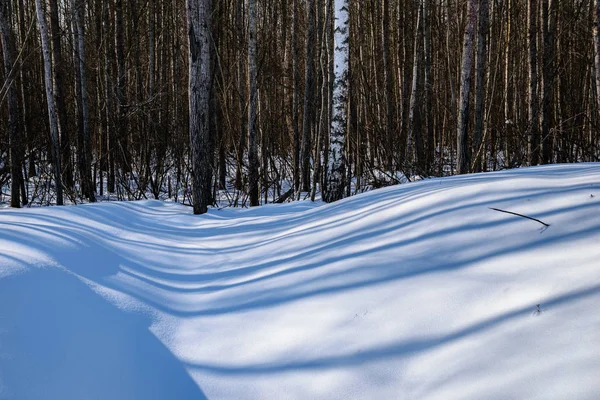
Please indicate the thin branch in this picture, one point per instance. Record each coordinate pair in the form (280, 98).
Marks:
(520, 215)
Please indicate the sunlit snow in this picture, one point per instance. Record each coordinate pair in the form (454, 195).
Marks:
(417, 291)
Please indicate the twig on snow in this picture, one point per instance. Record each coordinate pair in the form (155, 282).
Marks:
(520, 215)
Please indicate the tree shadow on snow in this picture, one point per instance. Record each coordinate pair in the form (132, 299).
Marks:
(60, 340)
(398, 349)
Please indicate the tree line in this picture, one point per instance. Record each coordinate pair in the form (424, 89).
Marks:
(266, 100)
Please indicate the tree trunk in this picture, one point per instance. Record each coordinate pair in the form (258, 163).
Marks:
(52, 114)
(295, 98)
(548, 25)
(336, 169)
(15, 131)
(430, 149)
(84, 156)
(480, 68)
(109, 156)
(58, 69)
(533, 110)
(199, 31)
(243, 132)
(414, 140)
(597, 51)
(252, 121)
(387, 82)
(121, 84)
(508, 64)
(462, 144)
(309, 95)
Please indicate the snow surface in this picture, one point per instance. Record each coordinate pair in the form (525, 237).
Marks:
(417, 291)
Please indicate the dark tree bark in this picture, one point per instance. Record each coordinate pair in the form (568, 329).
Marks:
(199, 29)
(533, 109)
(122, 149)
(15, 131)
(480, 71)
(387, 81)
(309, 95)
(108, 140)
(295, 97)
(243, 132)
(596, 37)
(252, 108)
(548, 27)
(428, 87)
(58, 68)
(84, 150)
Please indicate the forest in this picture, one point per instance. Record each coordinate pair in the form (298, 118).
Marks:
(260, 101)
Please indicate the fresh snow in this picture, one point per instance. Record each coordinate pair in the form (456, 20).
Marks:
(418, 291)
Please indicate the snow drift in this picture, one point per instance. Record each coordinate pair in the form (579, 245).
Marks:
(418, 291)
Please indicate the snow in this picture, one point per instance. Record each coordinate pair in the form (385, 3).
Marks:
(417, 291)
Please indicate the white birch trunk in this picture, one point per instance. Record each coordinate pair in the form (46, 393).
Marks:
(52, 115)
(336, 169)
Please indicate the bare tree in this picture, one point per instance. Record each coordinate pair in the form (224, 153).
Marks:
(58, 70)
(414, 140)
(84, 154)
(336, 170)
(596, 34)
(533, 110)
(10, 71)
(243, 132)
(462, 161)
(120, 88)
(309, 95)
(480, 71)
(199, 25)
(252, 107)
(548, 27)
(428, 83)
(52, 114)
(387, 80)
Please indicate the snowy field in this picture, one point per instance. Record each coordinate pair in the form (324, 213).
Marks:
(418, 291)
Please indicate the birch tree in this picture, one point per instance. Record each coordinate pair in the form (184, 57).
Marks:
(52, 113)
(336, 169)
(199, 25)
(462, 159)
(414, 137)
